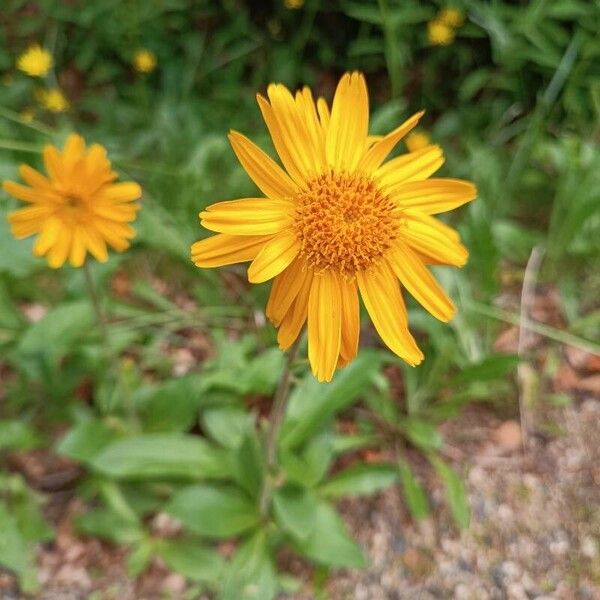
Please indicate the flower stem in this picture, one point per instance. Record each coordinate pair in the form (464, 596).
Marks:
(275, 422)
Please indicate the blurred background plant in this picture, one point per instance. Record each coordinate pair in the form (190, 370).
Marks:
(512, 93)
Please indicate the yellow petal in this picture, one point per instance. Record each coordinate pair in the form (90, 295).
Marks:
(118, 212)
(414, 166)
(58, 252)
(324, 324)
(120, 192)
(308, 113)
(270, 178)
(250, 216)
(53, 163)
(77, 254)
(274, 257)
(283, 145)
(35, 178)
(434, 195)
(294, 319)
(95, 243)
(293, 130)
(432, 238)
(284, 290)
(415, 277)
(27, 194)
(223, 249)
(350, 320)
(349, 124)
(115, 234)
(378, 152)
(381, 294)
(48, 236)
(324, 115)
(74, 150)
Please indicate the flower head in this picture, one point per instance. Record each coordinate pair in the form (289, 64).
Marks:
(35, 61)
(440, 33)
(451, 16)
(75, 209)
(339, 221)
(417, 140)
(144, 61)
(53, 100)
(293, 4)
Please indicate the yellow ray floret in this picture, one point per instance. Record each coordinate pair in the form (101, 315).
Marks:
(337, 223)
(77, 207)
(35, 61)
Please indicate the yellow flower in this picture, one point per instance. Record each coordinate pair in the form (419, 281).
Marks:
(439, 33)
(144, 61)
(35, 61)
(293, 4)
(339, 222)
(75, 209)
(53, 100)
(451, 16)
(27, 115)
(417, 140)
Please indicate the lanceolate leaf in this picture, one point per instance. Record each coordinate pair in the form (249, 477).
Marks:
(414, 494)
(455, 492)
(214, 511)
(360, 479)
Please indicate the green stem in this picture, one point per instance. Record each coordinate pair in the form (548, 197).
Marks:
(275, 422)
(391, 45)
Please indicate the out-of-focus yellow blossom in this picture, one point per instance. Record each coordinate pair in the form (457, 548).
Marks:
(35, 61)
(144, 61)
(53, 100)
(439, 33)
(417, 140)
(451, 16)
(274, 27)
(27, 114)
(293, 4)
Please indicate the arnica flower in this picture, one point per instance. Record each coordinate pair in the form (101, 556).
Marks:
(451, 16)
(144, 61)
(416, 141)
(440, 33)
(53, 100)
(339, 222)
(293, 4)
(75, 209)
(35, 61)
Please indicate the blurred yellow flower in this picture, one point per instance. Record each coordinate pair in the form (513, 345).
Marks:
(53, 100)
(417, 140)
(439, 33)
(75, 209)
(451, 16)
(144, 61)
(27, 115)
(293, 4)
(337, 222)
(35, 61)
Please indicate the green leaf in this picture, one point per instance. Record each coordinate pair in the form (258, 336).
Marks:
(329, 544)
(213, 511)
(295, 510)
(193, 559)
(140, 556)
(162, 455)
(15, 553)
(455, 492)
(308, 466)
(494, 366)
(15, 255)
(86, 439)
(55, 334)
(227, 425)
(251, 573)
(109, 525)
(170, 405)
(249, 464)
(359, 480)
(312, 405)
(414, 494)
(17, 435)
(422, 434)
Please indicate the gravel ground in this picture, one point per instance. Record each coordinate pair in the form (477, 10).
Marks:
(535, 531)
